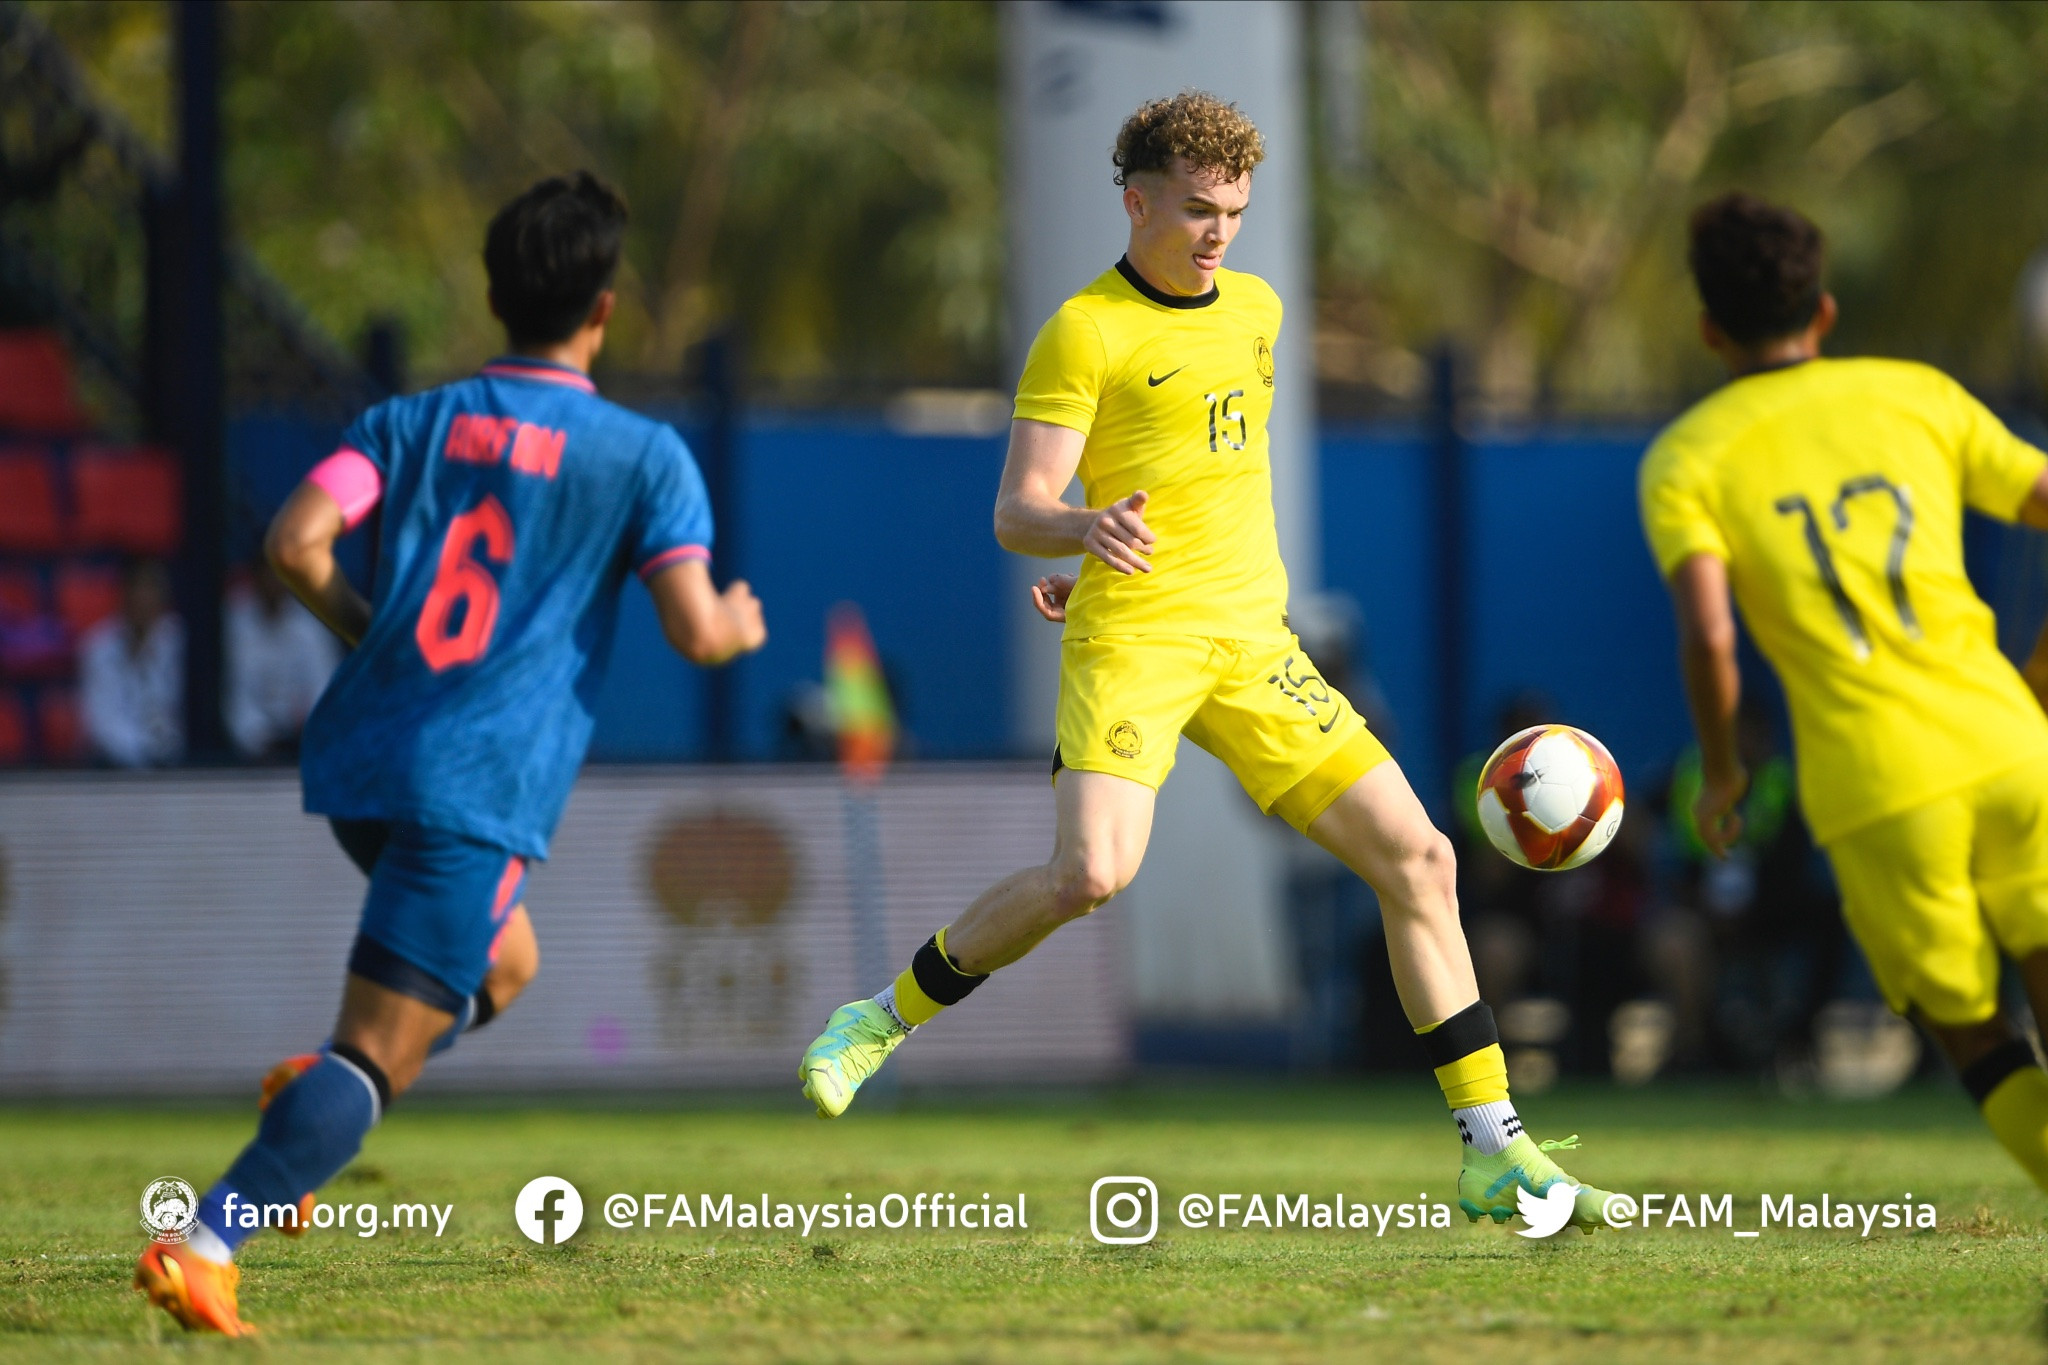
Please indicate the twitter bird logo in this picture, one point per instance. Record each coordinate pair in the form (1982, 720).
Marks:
(1549, 1213)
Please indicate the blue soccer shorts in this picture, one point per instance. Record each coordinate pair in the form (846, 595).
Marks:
(436, 910)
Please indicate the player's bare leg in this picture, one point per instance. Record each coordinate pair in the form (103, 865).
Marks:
(1104, 823)
(517, 963)
(395, 1031)
(1380, 831)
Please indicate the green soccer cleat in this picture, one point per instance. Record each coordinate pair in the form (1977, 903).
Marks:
(1488, 1185)
(857, 1039)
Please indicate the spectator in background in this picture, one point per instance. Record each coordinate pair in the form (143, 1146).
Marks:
(279, 659)
(131, 670)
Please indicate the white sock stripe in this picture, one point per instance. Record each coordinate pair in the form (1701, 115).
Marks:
(207, 1245)
(1489, 1127)
(887, 1000)
(376, 1100)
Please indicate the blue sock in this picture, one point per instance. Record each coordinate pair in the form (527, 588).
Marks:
(311, 1130)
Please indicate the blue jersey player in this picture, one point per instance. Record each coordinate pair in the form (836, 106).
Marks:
(516, 504)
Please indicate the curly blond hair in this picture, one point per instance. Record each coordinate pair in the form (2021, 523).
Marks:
(1193, 126)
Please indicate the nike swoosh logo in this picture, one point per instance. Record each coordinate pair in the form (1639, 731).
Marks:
(1154, 381)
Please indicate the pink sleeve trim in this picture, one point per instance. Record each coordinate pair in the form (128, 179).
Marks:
(351, 480)
(668, 557)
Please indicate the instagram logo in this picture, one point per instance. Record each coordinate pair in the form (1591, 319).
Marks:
(1123, 1210)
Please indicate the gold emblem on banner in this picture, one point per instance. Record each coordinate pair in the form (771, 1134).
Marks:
(723, 970)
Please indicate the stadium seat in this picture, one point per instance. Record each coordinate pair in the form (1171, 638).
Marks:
(30, 522)
(36, 389)
(125, 498)
(62, 738)
(87, 594)
(13, 729)
(21, 596)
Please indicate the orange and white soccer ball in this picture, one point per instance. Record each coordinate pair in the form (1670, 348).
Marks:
(1550, 797)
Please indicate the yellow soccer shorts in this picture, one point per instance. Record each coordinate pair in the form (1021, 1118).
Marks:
(1936, 893)
(1293, 740)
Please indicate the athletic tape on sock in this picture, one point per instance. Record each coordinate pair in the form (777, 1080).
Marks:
(929, 984)
(1461, 1035)
(938, 978)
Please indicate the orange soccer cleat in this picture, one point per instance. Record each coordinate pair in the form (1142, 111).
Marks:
(284, 1073)
(192, 1289)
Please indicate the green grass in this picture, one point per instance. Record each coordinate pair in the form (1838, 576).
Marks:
(1973, 1289)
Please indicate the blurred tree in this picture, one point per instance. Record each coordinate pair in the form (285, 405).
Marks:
(1532, 166)
(825, 174)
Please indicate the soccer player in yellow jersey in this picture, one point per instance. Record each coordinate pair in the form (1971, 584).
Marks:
(1154, 383)
(1828, 495)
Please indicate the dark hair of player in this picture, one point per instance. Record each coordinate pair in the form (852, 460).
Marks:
(1757, 266)
(1193, 126)
(550, 253)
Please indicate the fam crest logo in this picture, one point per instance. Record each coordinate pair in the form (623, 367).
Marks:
(170, 1210)
(1262, 356)
(1125, 741)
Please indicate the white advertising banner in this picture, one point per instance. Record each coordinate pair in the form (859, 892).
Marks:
(180, 933)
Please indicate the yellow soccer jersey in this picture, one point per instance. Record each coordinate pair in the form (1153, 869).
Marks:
(1173, 395)
(1834, 490)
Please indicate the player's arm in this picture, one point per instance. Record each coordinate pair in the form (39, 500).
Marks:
(1031, 518)
(704, 625)
(300, 546)
(2034, 513)
(1713, 689)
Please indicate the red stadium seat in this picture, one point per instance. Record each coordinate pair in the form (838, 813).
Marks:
(13, 729)
(29, 520)
(125, 498)
(36, 389)
(63, 740)
(21, 596)
(86, 595)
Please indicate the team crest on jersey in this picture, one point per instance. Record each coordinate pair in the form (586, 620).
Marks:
(1124, 740)
(1262, 356)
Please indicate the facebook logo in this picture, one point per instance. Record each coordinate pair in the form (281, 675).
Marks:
(548, 1210)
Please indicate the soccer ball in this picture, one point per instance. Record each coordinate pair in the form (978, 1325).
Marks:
(1550, 797)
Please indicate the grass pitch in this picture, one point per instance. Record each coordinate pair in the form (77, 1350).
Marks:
(1972, 1289)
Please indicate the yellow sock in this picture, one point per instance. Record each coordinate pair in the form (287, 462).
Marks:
(2017, 1112)
(1477, 1078)
(913, 1006)
(931, 982)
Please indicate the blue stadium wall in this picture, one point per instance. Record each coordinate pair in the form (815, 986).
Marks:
(1560, 594)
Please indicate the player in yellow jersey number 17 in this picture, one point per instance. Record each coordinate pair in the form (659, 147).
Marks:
(1154, 385)
(1827, 497)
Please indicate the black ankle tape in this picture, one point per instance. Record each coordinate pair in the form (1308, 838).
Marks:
(1988, 1072)
(486, 1010)
(360, 1060)
(1461, 1035)
(938, 978)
